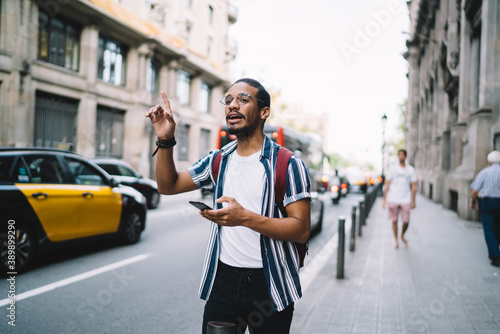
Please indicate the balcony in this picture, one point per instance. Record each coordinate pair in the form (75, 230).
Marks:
(232, 14)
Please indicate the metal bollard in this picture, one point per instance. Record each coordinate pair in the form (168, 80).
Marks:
(362, 213)
(341, 248)
(360, 225)
(352, 244)
(221, 327)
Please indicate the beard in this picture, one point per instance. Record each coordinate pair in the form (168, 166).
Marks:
(242, 132)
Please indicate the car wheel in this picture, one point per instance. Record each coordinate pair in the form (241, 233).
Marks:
(154, 200)
(336, 200)
(25, 244)
(132, 229)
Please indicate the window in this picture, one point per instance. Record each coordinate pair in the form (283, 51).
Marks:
(58, 41)
(183, 87)
(210, 15)
(13, 173)
(44, 169)
(111, 63)
(109, 132)
(204, 99)
(84, 173)
(209, 46)
(453, 200)
(55, 121)
(157, 11)
(204, 142)
(183, 142)
(475, 63)
(153, 76)
(496, 142)
(473, 11)
(115, 169)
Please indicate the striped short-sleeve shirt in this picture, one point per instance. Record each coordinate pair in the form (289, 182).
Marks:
(487, 182)
(279, 258)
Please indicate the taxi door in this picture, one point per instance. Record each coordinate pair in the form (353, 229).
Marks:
(57, 205)
(101, 205)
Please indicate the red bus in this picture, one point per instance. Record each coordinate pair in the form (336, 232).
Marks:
(308, 146)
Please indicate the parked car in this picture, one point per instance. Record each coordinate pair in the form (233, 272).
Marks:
(128, 176)
(51, 198)
(317, 205)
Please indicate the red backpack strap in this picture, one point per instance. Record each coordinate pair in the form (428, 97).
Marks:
(281, 171)
(215, 166)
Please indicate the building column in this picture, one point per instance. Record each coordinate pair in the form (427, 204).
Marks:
(87, 108)
(413, 100)
(86, 125)
(88, 54)
(489, 89)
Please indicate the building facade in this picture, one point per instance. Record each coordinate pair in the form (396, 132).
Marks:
(80, 75)
(453, 119)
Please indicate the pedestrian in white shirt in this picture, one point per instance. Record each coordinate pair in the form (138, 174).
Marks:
(399, 195)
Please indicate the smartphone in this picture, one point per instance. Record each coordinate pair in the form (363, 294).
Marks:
(200, 205)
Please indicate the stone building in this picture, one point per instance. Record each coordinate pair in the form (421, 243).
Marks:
(80, 74)
(454, 95)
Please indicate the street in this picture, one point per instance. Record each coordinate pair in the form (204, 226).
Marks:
(150, 287)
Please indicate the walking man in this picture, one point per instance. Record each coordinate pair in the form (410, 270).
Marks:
(399, 194)
(487, 183)
(251, 270)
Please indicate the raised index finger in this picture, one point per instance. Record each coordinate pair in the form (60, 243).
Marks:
(166, 102)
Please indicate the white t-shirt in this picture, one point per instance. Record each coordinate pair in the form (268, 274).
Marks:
(400, 187)
(244, 181)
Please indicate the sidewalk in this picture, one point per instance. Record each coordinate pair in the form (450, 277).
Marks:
(442, 283)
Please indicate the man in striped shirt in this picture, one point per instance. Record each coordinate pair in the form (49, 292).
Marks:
(487, 184)
(251, 270)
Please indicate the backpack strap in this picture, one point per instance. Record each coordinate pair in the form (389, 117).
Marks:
(215, 166)
(281, 171)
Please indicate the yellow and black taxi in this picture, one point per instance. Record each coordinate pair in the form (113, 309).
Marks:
(51, 198)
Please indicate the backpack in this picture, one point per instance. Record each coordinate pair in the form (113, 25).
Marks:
(279, 189)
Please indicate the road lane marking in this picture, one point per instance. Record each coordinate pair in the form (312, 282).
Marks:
(309, 272)
(169, 211)
(77, 278)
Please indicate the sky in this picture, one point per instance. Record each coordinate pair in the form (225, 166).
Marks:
(335, 56)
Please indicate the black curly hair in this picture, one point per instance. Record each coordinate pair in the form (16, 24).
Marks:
(263, 97)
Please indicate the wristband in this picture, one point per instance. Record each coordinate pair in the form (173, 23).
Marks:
(164, 143)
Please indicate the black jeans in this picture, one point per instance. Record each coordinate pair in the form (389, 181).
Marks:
(241, 296)
(490, 218)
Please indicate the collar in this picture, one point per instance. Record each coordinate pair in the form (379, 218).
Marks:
(265, 151)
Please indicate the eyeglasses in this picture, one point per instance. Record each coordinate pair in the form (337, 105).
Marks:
(241, 99)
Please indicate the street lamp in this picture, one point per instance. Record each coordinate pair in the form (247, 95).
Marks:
(384, 123)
